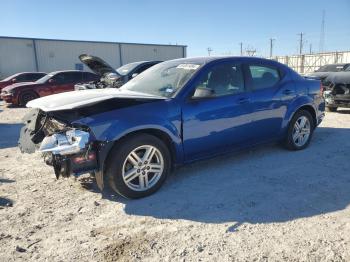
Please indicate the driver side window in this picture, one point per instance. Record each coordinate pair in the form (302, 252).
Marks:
(222, 80)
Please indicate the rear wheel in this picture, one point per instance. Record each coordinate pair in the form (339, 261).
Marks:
(138, 166)
(331, 109)
(26, 97)
(300, 130)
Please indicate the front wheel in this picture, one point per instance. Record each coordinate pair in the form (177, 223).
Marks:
(138, 166)
(300, 131)
(26, 97)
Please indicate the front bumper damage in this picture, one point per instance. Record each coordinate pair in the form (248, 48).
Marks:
(337, 95)
(69, 149)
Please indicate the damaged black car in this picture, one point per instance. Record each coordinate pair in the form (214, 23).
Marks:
(337, 90)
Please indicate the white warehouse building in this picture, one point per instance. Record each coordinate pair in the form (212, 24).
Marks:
(19, 54)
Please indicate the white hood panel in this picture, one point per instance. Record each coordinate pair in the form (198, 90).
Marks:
(76, 99)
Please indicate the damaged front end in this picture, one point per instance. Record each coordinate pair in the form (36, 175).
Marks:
(337, 95)
(69, 149)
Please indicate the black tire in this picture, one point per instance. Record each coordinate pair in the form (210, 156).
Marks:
(331, 109)
(118, 156)
(289, 142)
(27, 96)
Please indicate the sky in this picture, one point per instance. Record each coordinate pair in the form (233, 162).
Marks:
(199, 24)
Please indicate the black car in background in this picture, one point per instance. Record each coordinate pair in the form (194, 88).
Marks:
(323, 72)
(111, 77)
(336, 88)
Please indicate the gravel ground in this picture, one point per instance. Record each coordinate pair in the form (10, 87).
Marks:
(266, 204)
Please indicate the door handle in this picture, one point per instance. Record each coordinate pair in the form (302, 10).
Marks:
(243, 100)
(288, 91)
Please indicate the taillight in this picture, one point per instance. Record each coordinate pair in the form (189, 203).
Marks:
(321, 88)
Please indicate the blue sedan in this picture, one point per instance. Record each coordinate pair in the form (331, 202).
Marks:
(175, 113)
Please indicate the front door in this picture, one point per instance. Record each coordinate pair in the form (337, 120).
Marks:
(221, 121)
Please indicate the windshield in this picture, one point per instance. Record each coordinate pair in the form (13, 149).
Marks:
(330, 68)
(44, 79)
(10, 77)
(163, 79)
(125, 69)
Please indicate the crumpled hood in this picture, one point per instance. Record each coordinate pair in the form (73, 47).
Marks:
(78, 99)
(18, 85)
(97, 65)
(339, 78)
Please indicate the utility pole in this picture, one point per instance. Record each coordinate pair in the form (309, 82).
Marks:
(310, 49)
(271, 46)
(251, 51)
(209, 50)
(322, 34)
(241, 44)
(301, 43)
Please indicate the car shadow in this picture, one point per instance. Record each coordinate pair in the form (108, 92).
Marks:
(263, 185)
(9, 135)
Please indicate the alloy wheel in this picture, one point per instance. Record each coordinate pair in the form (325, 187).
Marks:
(301, 131)
(142, 168)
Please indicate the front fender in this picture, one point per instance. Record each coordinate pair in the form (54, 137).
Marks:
(164, 116)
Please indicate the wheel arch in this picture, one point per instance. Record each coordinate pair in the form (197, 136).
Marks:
(160, 134)
(311, 110)
(301, 103)
(20, 94)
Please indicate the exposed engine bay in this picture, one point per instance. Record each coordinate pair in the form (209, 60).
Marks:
(67, 148)
(109, 80)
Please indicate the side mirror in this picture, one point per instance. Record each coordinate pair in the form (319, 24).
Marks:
(51, 81)
(14, 80)
(134, 75)
(202, 92)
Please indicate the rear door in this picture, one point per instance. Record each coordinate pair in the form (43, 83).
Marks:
(222, 121)
(271, 92)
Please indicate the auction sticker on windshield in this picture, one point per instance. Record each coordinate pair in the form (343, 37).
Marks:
(188, 66)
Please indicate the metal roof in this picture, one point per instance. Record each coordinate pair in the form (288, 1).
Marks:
(87, 41)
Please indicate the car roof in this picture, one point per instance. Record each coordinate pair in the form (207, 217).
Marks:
(30, 73)
(68, 71)
(207, 59)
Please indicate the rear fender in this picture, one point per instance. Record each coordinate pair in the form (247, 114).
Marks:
(294, 107)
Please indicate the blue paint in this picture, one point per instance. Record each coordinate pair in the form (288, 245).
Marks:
(207, 127)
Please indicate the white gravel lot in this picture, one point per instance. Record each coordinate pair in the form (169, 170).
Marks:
(266, 204)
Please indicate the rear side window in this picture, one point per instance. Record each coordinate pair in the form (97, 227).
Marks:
(263, 77)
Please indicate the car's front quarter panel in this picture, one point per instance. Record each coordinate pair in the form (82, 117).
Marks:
(163, 115)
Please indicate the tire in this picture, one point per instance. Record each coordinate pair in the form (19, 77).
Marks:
(331, 109)
(293, 131)
(120, 163)
(25, 97)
